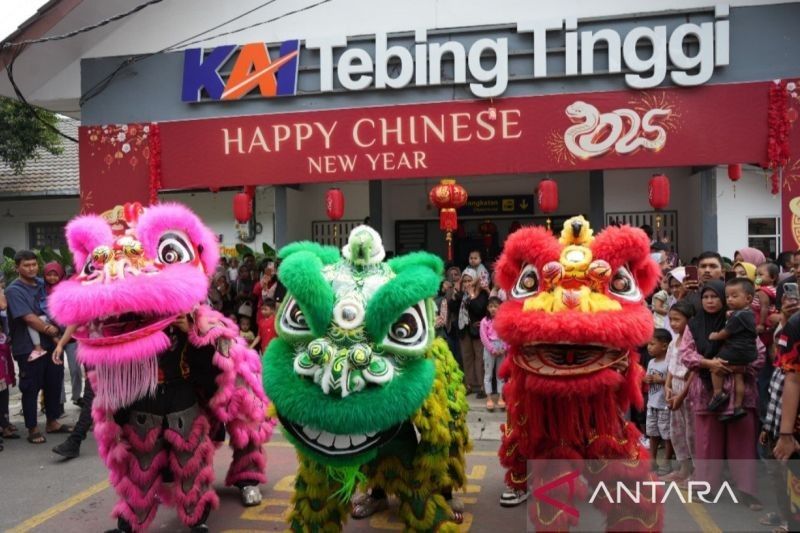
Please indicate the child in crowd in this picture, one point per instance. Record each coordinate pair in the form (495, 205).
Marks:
(681, 418)
(660, 303)
(764, 303)
(266, 325)
(483, 274)
(244, 329)
(657, 411)
(494, 352)
(739, 347)
(53, 274)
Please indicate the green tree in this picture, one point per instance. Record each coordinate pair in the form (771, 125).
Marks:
(22, 134)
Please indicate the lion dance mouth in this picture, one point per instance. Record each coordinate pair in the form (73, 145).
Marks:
(568, 359)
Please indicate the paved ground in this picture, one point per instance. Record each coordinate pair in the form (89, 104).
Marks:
(40, 493)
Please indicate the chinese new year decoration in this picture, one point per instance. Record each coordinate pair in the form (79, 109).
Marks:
(448, 196)
(334, 207)
(488, 230)
(735, 172)
(778, 124)
(547, 197)
(334, 203)
(659, 195)
(242, 207)
(154, 170)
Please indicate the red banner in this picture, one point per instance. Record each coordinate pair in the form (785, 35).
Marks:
(709, 125)
(785, 139)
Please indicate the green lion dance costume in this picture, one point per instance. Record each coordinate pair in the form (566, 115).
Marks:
(363, 391)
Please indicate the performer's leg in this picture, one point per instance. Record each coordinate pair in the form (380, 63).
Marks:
(314, 508)
(136, 463)
(191, 457)
(617, 462)
(247, 472)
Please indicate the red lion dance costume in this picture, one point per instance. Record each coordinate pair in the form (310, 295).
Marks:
(573, 322)
(161, 390)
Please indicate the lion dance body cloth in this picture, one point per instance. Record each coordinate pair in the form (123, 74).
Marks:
(169, 372)
(574, 320)
(363, 391)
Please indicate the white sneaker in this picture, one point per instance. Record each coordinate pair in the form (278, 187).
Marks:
(512, 498)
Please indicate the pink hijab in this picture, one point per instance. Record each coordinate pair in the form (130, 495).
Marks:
(752, 256)
(53, 266)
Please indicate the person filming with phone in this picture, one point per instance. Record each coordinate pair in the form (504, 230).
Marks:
(709, 267)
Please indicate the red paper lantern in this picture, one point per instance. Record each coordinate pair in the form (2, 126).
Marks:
(448, 196)
(334, 203)
(547, 196)
(659, 191)
(242, 207)
(735, 172)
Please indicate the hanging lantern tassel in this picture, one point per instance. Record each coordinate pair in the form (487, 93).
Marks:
(334, 207)
(734, 174)
(448, 196)
(242, 207)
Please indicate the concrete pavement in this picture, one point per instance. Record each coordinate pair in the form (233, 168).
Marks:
(39, 492)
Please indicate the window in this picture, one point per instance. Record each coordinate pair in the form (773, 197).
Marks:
(41, 234)
(764, 234)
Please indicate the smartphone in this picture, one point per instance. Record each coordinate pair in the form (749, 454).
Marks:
(790, 291)
(691, 273)
(729, 275)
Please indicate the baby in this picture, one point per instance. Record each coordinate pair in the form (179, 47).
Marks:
(739, 348)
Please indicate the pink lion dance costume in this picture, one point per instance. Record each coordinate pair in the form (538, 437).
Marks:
(161, 390)
(573, 322)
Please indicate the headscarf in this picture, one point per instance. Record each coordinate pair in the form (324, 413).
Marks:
(749, 268)
(752, 256)
(678, 273)
(463, 313)
(56, 267)
(703, 323)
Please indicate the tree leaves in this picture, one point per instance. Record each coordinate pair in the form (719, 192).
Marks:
(22, 134)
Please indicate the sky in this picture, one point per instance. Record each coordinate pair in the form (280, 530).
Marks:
(15, 12)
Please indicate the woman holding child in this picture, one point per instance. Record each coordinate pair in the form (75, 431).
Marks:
(718, 435)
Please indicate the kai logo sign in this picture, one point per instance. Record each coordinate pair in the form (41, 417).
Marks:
(254, 69)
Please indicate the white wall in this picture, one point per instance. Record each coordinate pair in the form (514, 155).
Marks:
(14, 229)
(627, 191)
(307, 205)
(752, 198)
(215, 209)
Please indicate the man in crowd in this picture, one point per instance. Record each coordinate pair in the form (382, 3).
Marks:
(709, 267)
(26, 297)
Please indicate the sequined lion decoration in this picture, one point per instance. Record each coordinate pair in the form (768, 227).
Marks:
(169, 373)
(362, 389)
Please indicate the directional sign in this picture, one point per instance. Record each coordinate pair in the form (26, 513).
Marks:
(512, 204)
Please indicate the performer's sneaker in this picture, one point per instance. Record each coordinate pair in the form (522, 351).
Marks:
(251, 495)
(69, 449)
(512, 498)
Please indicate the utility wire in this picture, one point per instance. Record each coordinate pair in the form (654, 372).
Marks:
(85, 28)
(103, 84)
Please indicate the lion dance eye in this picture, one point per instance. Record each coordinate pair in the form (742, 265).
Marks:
(527, 283)
(292, 318)
(174, 247)
(623, 285)
(410, 330)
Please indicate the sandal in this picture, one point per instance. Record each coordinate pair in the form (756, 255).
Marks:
(10, 434)
(63, 428)
(368, 506)
(36, 438)
(489, 404)
(770, 519)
